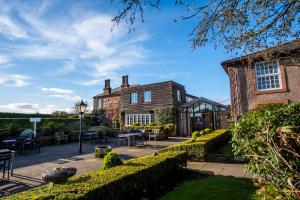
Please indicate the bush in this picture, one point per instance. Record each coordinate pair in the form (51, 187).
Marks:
(198, 149)
(13, 129)
(195, 135)
(164, 115)
(169, 129)
(51, 125)
(111, 159)
(266, 137)
(207, 130)
(59, 127)
(127, 181)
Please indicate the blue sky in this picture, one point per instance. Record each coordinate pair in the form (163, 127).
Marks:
(53, 53)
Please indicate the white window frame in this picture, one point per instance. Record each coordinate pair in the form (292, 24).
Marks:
(178, 92)
(99, 104)
(134, 96)
(142, 119)
(147, 96)
(261, 67)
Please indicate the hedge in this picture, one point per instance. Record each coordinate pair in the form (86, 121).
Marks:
(197, 150)
(121, 182)
(24, 123)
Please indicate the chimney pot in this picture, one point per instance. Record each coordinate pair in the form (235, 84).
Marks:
(125, 83)
(107, 88)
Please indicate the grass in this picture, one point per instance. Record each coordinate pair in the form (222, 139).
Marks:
(214, 188)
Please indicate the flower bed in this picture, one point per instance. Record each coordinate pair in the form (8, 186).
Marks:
(121, 182)
(198, 149)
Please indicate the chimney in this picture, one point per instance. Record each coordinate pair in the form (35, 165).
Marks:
(107, 88)
(125, 83)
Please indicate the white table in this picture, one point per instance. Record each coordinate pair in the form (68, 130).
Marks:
(128, 136)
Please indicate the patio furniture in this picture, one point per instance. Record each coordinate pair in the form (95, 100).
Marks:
(130, 138)
(5, 162)
(60, 136)
(154, 134)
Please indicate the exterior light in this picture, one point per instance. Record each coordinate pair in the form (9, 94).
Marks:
(80, 109)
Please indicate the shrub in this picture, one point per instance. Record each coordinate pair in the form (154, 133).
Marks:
(13, 129)
(51, 125)
(198, 149)
(127, 181)
(207, 130)
(195, 135)
(169, 129)
(263, 136)
(59, 126)
(164, 115)
(111, 159)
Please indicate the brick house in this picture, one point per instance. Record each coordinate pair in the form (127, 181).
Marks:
(138, 102)
(268, 76)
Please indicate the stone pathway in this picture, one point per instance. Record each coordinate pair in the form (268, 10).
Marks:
(224, 169)
(28, 168)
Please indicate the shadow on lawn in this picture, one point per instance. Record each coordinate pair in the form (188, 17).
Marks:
(214, 188)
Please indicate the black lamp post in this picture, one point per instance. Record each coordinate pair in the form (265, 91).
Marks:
(80, 108)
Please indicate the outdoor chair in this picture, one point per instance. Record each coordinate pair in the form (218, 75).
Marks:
(60, 136)
(19, 146)
(5, 163)
(154, 134)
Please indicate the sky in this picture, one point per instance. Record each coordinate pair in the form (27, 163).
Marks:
(54, 53)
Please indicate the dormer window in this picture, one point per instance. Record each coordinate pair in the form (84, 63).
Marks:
(267, 75)
(134, 97)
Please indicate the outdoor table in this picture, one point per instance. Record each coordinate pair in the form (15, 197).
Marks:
(128, 136)
(90, 135)
(8, 142)
(7, 151)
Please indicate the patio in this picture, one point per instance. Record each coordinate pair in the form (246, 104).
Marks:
(28, 168)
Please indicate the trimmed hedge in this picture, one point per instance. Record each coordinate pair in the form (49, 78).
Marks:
(121, 182)
(197, 150)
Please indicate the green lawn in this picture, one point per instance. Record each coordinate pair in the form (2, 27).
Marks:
(213, 188)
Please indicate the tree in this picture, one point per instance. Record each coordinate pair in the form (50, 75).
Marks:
(98, 117)
(164, 115)
(60, 114)
(246, 25)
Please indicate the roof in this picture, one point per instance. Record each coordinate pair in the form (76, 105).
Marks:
(115, 91)
(202, 99)
(284, 48)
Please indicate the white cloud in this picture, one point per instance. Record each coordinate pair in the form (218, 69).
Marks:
(61, 94)
(11, 29)
(32, 108)
(85, 43)
(58, 90)
(14, 80)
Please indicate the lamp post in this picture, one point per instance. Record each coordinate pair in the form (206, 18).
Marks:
(80, 108)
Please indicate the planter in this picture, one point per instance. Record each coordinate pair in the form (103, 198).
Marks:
(101, 151)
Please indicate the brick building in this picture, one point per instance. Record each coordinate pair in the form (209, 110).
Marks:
(268, 76)
(138, 102)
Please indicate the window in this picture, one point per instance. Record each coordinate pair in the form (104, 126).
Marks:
(267, 75)
(142, 119)
(134, 97)
(99, 103)
(178, 95)
(147, 96)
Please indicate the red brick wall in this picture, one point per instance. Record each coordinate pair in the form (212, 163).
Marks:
(111, 104)
(244, 95)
